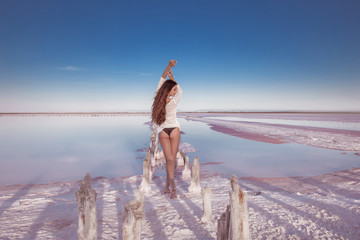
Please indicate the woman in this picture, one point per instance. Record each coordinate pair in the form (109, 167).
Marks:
(164, 107)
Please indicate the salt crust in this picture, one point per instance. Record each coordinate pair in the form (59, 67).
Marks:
(319, 207)
(344, 140)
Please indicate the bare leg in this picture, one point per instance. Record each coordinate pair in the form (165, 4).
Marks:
(174, 140)
(170, 145)
(166, 147)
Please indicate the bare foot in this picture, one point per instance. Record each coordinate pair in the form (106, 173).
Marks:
(173, 189)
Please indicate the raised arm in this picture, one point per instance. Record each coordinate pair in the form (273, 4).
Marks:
(167, 71)
(179, 90)
(172, 63)
(171, 76)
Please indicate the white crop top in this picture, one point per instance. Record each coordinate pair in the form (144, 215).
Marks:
(171, 107)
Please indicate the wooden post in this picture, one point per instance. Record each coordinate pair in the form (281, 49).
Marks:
(153, 141)
(240, 199)
(86, 199)
(186, 173)
(207, 212)
(195, 177)
(238, 219)
(234, 183)
(133, 218)
(145, 183)
(223, 225)
(180, 156)
(154, 152)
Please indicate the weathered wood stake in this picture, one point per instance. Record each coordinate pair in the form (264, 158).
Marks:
(223, 225)
(154, 152)
(237, 216)
(133, 218)
(207, 212)
(145, 183)
(180, 156)
(186, 173)
(195, 177)
(86, 199)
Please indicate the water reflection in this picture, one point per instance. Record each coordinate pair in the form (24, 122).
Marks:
(59, 149)
(55, 148)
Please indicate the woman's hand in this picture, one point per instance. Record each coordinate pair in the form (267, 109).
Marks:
(172, 63)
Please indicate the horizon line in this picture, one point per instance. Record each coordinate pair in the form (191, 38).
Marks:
(200, 111)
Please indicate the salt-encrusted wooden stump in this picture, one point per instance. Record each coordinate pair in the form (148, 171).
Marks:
(154, 152)
(236, 216)
(133, 218)
(153, 141)
(195, 177)
(180, 156)
(154, 147)
(207, 212)
(186, 173)
(145, 183)
(86, 199)
(223, 225)
(239, 216)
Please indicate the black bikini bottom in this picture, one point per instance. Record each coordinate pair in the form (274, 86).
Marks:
(168, 130)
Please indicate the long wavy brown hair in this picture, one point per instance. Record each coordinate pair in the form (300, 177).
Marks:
(158, 114)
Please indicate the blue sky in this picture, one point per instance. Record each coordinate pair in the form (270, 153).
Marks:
(246, 55)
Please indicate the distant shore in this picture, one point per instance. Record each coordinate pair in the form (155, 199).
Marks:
(72, 113)
(180, 112)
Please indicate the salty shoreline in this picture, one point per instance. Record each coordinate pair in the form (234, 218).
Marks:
(337, 139)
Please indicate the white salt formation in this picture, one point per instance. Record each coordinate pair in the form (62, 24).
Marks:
(145, 183)
(312, 136)
(207, 212)
(86, 199)
(133, 218)
(234, 223)
(195, 177)
(180, 156)
(186, 173)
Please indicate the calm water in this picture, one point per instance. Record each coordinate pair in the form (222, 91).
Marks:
(61, 148)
